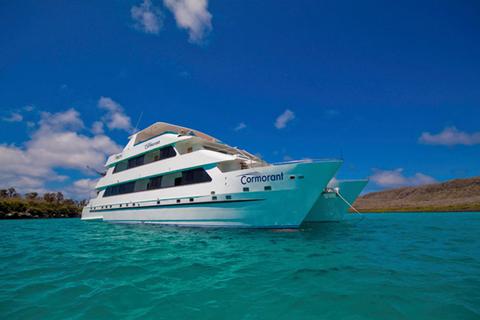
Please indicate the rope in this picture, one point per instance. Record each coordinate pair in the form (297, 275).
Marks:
(348, 203)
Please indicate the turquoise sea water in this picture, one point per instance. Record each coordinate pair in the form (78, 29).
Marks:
(388, 266)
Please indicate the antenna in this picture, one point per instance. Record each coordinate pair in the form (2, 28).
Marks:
(96, 171)
(138, 121)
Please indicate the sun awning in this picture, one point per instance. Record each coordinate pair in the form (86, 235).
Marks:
(159, 128)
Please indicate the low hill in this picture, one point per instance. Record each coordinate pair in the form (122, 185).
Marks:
(452, 195)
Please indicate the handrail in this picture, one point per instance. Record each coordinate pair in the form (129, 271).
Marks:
(307, 161)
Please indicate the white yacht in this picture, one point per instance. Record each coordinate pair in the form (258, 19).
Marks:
(334, 202)
(174, 175)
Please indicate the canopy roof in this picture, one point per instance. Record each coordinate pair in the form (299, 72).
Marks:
(159, 128)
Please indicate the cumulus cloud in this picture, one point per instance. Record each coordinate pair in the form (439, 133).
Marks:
(13, 117)
(191, 15)
(97, 127)
(115, 117)
(148, 18)
(240, 126)
(283, 119)
(450, 136)
(82, 188)
(396, 178)
(56, 144)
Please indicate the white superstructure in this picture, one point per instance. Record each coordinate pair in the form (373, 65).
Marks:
(174, 175)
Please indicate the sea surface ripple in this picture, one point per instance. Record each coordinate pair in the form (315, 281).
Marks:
(387, 266)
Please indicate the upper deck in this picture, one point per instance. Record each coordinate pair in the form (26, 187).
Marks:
(163, 134)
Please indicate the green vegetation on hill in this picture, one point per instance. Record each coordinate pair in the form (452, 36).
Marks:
(452, 195)
(31, 205)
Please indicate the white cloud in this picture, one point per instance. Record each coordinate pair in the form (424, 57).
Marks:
(13, 117)
(283, 119)
(148, 18)
(191, 15)
(450, 136)
(69, 119)
(115, 117)
(97, 127)
(240, 126)
(55, 144)
(82, 188)
(396, 178)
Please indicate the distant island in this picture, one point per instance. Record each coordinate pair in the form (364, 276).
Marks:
(31, 205)
(452, 195)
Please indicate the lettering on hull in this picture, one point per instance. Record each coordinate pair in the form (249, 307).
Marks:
(254, 178)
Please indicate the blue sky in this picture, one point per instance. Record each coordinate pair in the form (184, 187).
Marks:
(393, 88)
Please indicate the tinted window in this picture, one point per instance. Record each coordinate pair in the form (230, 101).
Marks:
(198, 175)
(167, 152)
(195, 176)
(123, 188)
(126, 187)
(135, 162)
(178, 181)
(155, 183)
(164, 153)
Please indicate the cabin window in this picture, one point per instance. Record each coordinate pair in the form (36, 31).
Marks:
(154, 183)
(228, 197)
(176, 179)
(149, 157)
(268, 188)
(137, 161)
(246, 189)
(167, 152)
(195, 176)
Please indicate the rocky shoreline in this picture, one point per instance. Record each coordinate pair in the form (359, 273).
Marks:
(33, 206)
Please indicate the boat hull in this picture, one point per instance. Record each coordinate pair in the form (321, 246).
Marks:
(329, 207)
(243, 200)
